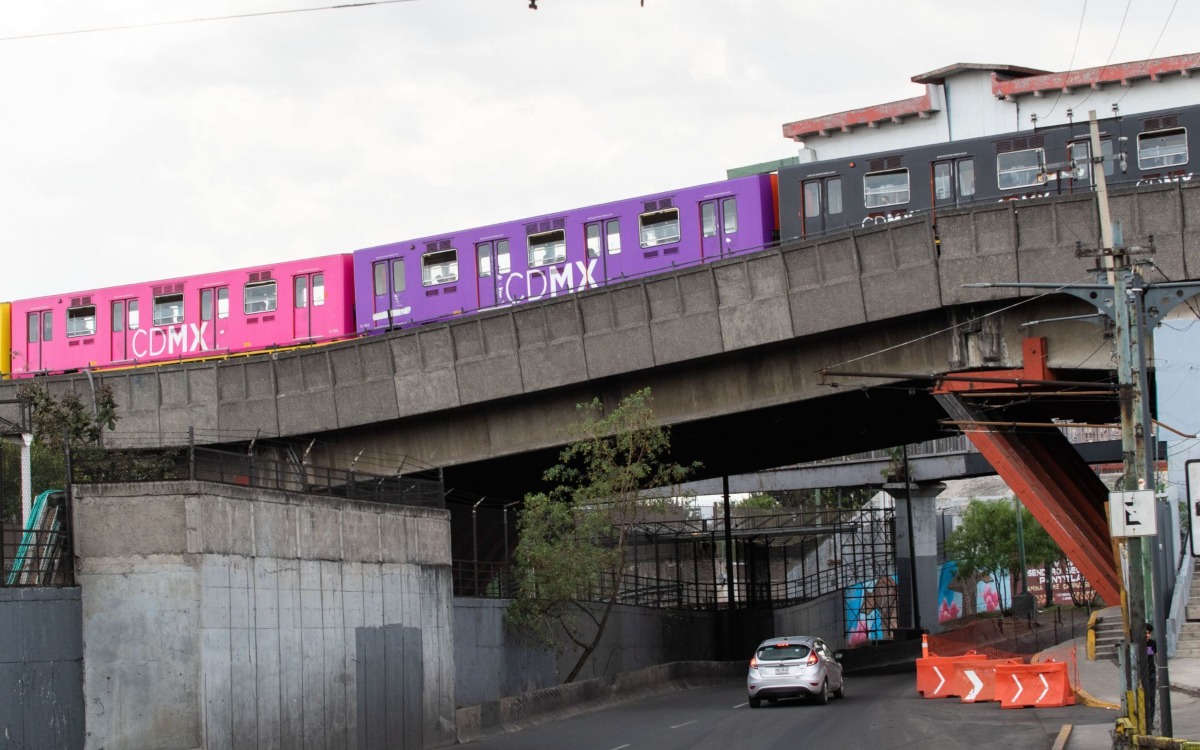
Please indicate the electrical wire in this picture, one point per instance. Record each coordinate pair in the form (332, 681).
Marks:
(1152, 49)
(204, 19)
(1070, 65)
(1111, 52)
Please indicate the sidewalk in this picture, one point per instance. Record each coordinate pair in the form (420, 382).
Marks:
(1100, 685)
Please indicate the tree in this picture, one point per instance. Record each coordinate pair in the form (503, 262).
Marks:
(571, 546)
(985, 544)
(759, 501)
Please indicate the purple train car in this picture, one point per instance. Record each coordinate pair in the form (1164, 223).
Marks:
(416, 281)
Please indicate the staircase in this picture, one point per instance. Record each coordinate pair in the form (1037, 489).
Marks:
(1110, 634)
(1188, 646)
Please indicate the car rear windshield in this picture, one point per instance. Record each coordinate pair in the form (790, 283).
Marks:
(783, 651)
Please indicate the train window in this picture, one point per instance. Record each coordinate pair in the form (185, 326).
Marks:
(729, 207)
(1106, 151)
(33, 319)
(483, 251)
(943, 180)
(612, 227)
(380, 279)
(259, 297)
(591, 236)
(1017, 169)
(398, 282)
(440, 267)
(222, 302)
(318, 287)
(47, 326)
(1162, 148)
(118, 316)
(1079, 159)
(888, 188)
(81, 321)
(168, 309)
(503, 265)
(206, 304)
(134, 319)
(812, 199)
(299, 292)
(708, 219)
(659, 227)
(833, 194)
(546, 248)
(966, 178)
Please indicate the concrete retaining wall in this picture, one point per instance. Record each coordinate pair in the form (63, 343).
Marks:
(223, 617)
(41, 668)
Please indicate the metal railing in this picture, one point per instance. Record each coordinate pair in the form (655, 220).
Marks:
(95, 465)
(40, 554)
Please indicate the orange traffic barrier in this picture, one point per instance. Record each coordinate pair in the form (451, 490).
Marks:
(924, 645)
(976, 681)
(934, 673)
(1041, 685)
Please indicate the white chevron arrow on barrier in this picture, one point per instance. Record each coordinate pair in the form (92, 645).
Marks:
(1045, 688)
(1020, 688)
(941, 680)
(976, 684)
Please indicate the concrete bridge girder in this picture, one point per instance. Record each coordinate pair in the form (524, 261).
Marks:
(731, 350)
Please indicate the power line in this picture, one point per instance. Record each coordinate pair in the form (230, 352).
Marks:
(180, 22)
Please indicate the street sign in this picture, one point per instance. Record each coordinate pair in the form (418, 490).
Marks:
(1132, 513)
(1193, 500)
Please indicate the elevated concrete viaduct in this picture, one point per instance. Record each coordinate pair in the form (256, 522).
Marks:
(733, 352)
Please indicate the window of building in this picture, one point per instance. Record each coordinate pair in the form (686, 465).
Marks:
(612, 228)
(1162, 148)
(168, 309)
(483, 252)
(1017, 169)
(833, 191)
(659, 227)
(546, 248)
(259, 297)
(966, 178)
(439, 267)
(729, 208)
(882, 189)
(708, 219)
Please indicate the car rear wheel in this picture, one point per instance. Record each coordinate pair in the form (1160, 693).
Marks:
(823, 696)
(755, 702)
(841, 691)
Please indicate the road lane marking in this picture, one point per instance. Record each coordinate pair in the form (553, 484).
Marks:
(742, 704)
(621, 747)
(684, 724)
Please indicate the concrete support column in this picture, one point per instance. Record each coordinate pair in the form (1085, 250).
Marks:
(26, 478)
(916, 555)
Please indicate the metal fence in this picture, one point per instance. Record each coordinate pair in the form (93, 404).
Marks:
(96, 465)
(40, 555)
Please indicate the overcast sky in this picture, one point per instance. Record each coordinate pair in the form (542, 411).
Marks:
(156, 152)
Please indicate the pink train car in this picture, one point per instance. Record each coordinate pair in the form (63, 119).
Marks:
(207, 315)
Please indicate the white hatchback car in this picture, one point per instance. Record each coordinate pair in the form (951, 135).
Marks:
(796, 666)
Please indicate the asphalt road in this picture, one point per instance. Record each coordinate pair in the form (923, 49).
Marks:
(882, 712)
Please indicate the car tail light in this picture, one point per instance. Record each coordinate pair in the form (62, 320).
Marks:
(812, 658)
(754, 662)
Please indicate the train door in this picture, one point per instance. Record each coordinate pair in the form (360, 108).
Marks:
(953, 182)
(718, 225)
(39, 330)
(214, 307)
(485, 274)
(820, 204)
(388, 281)
(603, 238)
(119, 339)
(308, 292)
